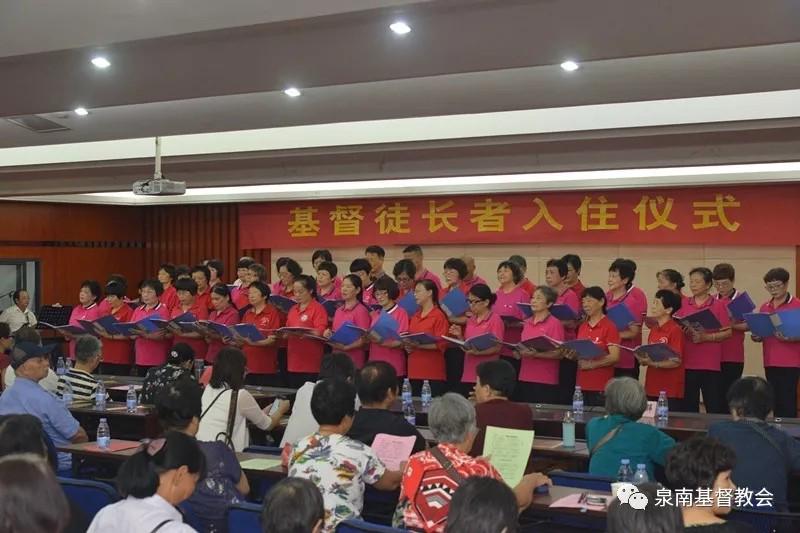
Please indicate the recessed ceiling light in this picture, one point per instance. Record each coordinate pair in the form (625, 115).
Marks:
(294, 92)
(81, 111)
(570, 66)
(400, 27)
(101, 62)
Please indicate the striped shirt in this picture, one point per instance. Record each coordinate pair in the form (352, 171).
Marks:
(83, 384)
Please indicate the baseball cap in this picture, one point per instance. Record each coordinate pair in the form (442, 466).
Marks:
(23, 351)
(180, 353)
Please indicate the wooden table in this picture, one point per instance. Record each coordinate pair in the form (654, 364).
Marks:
(143, 423)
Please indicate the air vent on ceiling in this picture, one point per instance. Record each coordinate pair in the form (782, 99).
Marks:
(37, 123)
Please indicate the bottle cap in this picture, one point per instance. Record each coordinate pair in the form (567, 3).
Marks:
(641, 466)
(625, 461)
(102, 419)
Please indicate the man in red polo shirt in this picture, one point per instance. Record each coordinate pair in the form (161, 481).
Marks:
(573, 273)
(414, 253)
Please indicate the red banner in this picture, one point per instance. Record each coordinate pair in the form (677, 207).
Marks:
(766, 214)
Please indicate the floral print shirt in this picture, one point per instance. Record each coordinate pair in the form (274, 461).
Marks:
(339, 466)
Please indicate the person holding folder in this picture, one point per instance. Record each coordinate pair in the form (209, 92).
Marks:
(304, 355)
(621, 291)
(166, 276)
(224, 313)
(327, 288)
(539, 371)
(509, 294)
(354, 311)
(671, 280)
(187, 303)
(289, 271)
(426, 361)
(414, 253)
(702, 356)
(389, 350)
(573, 281)
(455, 270)
(117, 349)
(262, 355)
(404, 273)
(150, 348)
(668, 375)
(201, 275)
(781, 354)
(555, 276)
(593, 374)
(732, 363)
(88, 309)
(361, 268)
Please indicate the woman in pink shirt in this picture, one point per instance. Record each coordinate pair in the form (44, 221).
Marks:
(621, 291)
(353, 310)
(556, 276)
(326, 287)
(539, 372)
(288, 271)
(781, 354)
(225, 313)
(482, 320)
(391, 351)
(509, 294)
(455, 270)
(87, 309)
(702, 352)
(151, 348)
(732, 364)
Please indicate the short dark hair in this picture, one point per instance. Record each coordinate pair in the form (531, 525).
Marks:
(751, 396)
(33, 500)
(519, 260)
(430, 286)
(139, 474)
(375, 249)
(328, 267)
(404, 266)
(696, 463)
(516, 273)
(357, 283)
(673, 276)
(360, 265)
(223, 290)
(723, 271)
(116, 288)
(279, 262)
(178, 403)
(259, 270)
(483, 505)
(93, 287)
(293, 505)
(598, 294)
(152, 284)
(308, 282)
(483, 292)
(203, 269)
(262, 287)
(217, 265)
(704, 272)
(23, 434)
(499, 375)
(385, 283)
(292, 267)
(653, 519)
(169, 268)
(182, 271)
(457, 264)
(573, 260)
(337, 365)
(244, 262)
(229, 369)
(332, 400)
(777, 274)
(626, 268)
(669, 300)
(412, 249)
(375, 380)
(324, 254)
(17, 294)
(186, 284)
(559, 264)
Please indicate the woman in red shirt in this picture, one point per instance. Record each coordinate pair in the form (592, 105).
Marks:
(262, 356)
(201, 276)
(289, 271)
(224, 313)
(326, 285)
(117, 349)
(426, 361)
(352, 310)
(186, 289)
(166, 276)
(304, 355)
(593, 374)
(667, 376)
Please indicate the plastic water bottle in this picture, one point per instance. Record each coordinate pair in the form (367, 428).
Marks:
(624, 474)
(409, 413)
(406, 392)
(103, 434)
(66, 394)
(568, 431)
(641, 475)
(427, 397)
(61, 367)
(130, 399)
(662, 407)
(577, 401)
(100, 396)
(199, 366)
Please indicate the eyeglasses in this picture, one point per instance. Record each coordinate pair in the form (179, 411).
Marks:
(774, 285)
(472, 301)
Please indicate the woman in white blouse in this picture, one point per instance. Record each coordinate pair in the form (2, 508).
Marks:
(228, 374)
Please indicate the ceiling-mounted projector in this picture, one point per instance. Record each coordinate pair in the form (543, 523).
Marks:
(158, 185)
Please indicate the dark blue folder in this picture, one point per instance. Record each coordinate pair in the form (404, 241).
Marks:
(248, 331)
(563, 312)
(526, 309)
(386, 328)
(740, 305)
(331, 305)
(408, 303)
(621, 316)
(703, 320)
(345, 335)
(787, 322)
(585, 348)
(420, 338)
(282, 302)
(454, 303)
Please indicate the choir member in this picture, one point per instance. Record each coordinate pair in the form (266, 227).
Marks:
(242, 265)
(150, 348)
(117, 349)
(732, 364)
(404, 273)
(671, 280)
(455, 270)
(375, 255)
(426, 361)
(262, 356)
(573, 273)
(87, 309)
(621, 291)
(482, 320)
(386, 292)
(289, 271)
(471, 279)
(354, 311)
(326, 288)
(217, 270)
(304, 355)
(509, 294)
(526, 284)
(188, 303)
(166, 276)
(414, 253)
(225, 313)
(201, 275)
(361, 268)
(539, 371)
(555, 276)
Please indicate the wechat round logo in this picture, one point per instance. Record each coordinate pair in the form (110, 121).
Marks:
(629, 494)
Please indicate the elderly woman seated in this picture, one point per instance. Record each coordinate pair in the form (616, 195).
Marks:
(618, 435)
(432, 476)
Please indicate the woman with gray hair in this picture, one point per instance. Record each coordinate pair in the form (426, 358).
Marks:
(619, 435)
(432, 476)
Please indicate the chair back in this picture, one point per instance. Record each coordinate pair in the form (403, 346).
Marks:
(89, 496)
(244, 518)
(767, 521)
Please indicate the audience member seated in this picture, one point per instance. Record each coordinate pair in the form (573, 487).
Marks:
(301, 424)
(31, 363)
(618, 435)
(28, 334)
(622, 518)
(494, 387)
(88, 353)
(178, 406)
(31, 500)
(180, 360)
(6, 343)
(337, 464)
(153, 481)
(772, 454)
(483, 505)
(377, 390)
(19, 313)
(293, 505)
(705, 463)
(446, 466)
(228, 376)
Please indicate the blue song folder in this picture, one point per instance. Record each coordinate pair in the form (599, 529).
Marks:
(787, 322)
(526, 309)
(420, 338)
(331, 306)
(621, 316)
(478, 343)
(740, 305)
(386, 328)
(408, 303)
(703, 320)
(282, 302)
(345, 335)
(542, 343)
(454, 303)
(586, 349)
(563, 312)
(657, 351)
(248, 331)
(74, 330)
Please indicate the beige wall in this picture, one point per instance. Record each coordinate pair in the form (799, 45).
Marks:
(751, 262)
